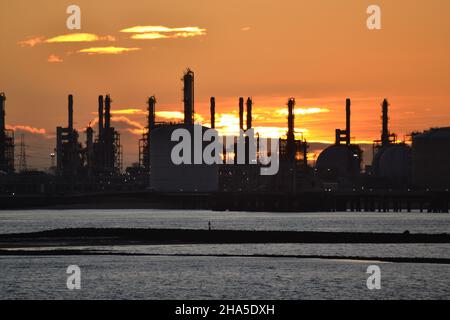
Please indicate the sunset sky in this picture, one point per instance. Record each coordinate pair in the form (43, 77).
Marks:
(319, 52)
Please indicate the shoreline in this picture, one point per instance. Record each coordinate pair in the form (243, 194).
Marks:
(125, 236)
(72, 252)
(303, 201)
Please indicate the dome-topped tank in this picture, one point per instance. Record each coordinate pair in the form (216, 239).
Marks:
(393, 162)
(344, 160)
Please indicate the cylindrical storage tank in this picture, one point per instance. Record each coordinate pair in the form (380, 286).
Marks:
(393, 162)
(431, 159)
(344, 160)
(165, 176)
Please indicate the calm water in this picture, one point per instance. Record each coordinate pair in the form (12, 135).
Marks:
(37, 220)
(111, 277)
(196, 277)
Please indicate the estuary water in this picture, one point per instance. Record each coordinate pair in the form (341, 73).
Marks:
(196, 276)
(39, 220)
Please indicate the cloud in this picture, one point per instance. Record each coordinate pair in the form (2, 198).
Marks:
(107, 50)
(54, 59)
(304, 110)
(128, 111)
(71, 37)
(150, 36)
(31, 42)
(132, 126)
(170, 115)
(79, 37)
(245, 29)
(162, 32)
(27, 128)
(121, 123)
(228, 124)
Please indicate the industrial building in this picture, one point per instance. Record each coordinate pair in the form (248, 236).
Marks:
(342, 161)
(107, 149)
(91, 170)
(69, 156)
(164, 174)
(144, 143)
(399, 176)
(431, 159)
(6, 140)
(392, 160)
(293, 168)
(155, 153)
(98, 158)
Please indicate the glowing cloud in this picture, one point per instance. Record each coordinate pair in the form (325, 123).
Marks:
(277, 132)
(107, 50)
(79, 37)
(71, 37)
(123, 123)
(162, 32)
(149, 36)
(228, 125)
(170, 115)
(128, 111)
(137, 132)
(26, 128)
(54, 59)
(304, 110)
(133, 127)
(127, 121)
(147, 29)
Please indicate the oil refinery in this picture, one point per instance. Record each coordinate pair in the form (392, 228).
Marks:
(403, 175)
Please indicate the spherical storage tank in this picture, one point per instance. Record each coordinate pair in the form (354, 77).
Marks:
(165, 176)
(344, 160)
(431, 159)
(393, 162)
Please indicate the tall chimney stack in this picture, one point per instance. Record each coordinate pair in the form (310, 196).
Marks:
(348, 124)
(249, 113)
(290, 134)
(188, 90)
(213, 112)
(2, 113)
(90, 149)
(107, 112)
(100, 115)
(291, 117)
(241, 113)
(385, 124)
(151, 112)
(70, 109)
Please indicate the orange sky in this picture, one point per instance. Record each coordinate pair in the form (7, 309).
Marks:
(319, 52)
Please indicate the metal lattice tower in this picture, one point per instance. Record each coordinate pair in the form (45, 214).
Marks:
(22, 154)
